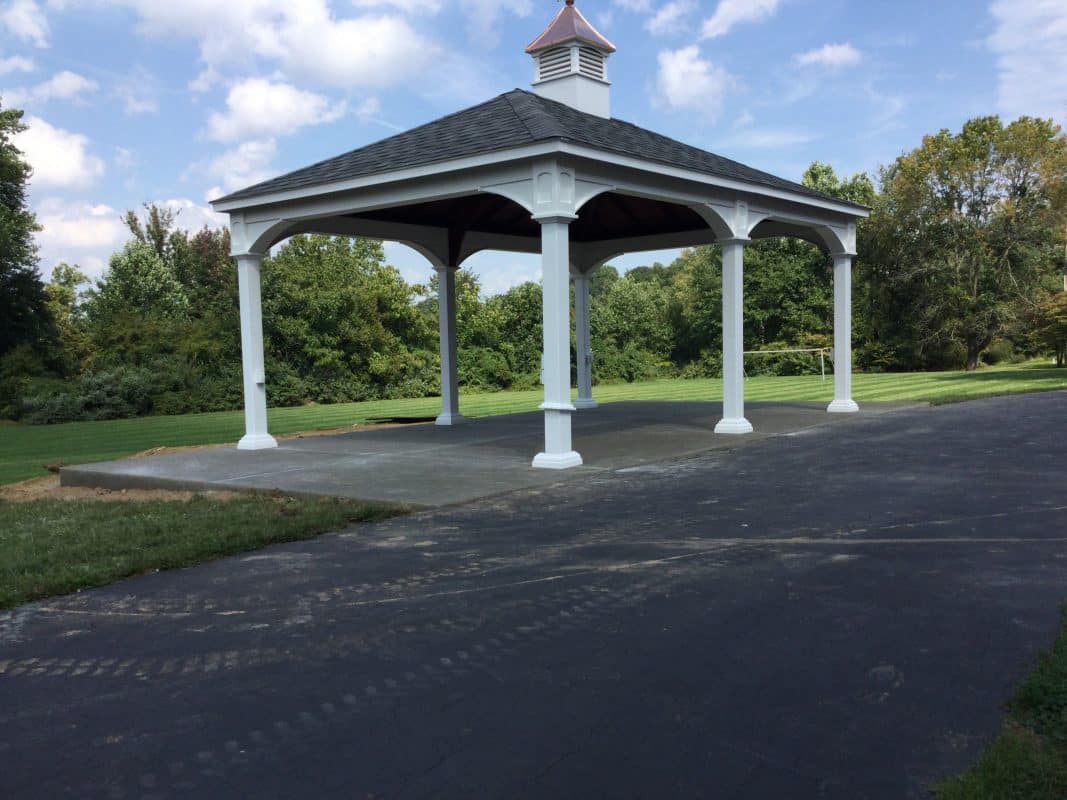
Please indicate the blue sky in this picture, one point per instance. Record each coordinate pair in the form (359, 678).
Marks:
(131, 101)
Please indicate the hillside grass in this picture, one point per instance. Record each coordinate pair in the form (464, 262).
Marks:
(26, 450)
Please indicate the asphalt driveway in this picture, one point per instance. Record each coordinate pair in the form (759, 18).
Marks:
(833, 614)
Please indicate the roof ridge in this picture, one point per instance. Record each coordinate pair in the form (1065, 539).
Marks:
(518, 115)
(536, 110)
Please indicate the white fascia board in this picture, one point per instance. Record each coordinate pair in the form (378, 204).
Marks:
(610, 248)
(718, 181)
(476, 241)
(384, 178)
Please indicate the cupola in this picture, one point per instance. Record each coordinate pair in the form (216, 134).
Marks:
(570, 60)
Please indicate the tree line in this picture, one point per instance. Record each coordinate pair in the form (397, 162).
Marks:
(959, 264)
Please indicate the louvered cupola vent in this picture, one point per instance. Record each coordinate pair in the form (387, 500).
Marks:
(591, 63)
(554, 63)
(570, 59)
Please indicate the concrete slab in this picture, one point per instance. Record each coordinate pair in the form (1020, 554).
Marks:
(426, 465)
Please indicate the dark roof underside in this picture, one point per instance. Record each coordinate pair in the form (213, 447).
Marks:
(606, 216)
(511, 120)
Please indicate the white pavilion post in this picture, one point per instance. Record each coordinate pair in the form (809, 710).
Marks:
(842, 402)
(446, 313)
(255, 382)
(555, 290)
(583, 342)
(733, 334)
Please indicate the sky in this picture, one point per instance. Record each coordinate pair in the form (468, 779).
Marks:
(177, 103)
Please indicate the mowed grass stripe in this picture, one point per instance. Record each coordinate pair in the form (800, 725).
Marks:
(26, 449)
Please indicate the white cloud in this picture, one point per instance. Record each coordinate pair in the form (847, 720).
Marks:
(669, 17)
(244, 165)
(368, 109)
(766, 139)
(323, 50)
(634, 5)
(16, 64)
(138, 92)
(124, 157)
(1030, 43)
(257, 108)
(27, 21)
(78, 233)
(734, 12)
(406, 6)
(483, 15)
(192, 216)
(78, 226)
(688, 81)
(887, 107)
(831, 56)
(65, 85)
(205, 81)
(305, 39)
(746, 120)
(60, 159)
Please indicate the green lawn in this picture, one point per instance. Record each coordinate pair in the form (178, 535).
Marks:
(26, 449)
(52, 547)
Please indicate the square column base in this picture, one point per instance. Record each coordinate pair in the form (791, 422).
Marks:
(843, 407)
(586, 402)
(257, 441)
(449, 419)
(733, 425)
(557, 460)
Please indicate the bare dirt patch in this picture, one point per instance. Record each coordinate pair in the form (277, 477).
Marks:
(48, 488)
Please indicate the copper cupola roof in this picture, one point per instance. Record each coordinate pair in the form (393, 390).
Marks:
(570, 25)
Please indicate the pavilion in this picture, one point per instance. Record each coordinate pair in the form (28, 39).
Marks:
(549, 172)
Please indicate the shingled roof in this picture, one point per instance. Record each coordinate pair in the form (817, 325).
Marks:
(510, 120)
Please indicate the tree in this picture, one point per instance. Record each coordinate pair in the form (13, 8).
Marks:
(963, 236)
(1052, 326)
(631, 330)
(138, 282)
(24, 318)
(342, 325)
(823, 178)
(516, 319)
(68, 316)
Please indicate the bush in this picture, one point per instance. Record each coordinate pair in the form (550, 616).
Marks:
(483, 368)
(786, 363)
(708, 365)
(48, 407)
(107, 394)
(629, 364)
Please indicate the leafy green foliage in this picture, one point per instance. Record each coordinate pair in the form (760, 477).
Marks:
(24, 317)
(1051, 328)
(962, 237)
(340, 319)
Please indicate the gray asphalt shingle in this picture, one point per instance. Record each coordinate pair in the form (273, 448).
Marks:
(514, 119)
